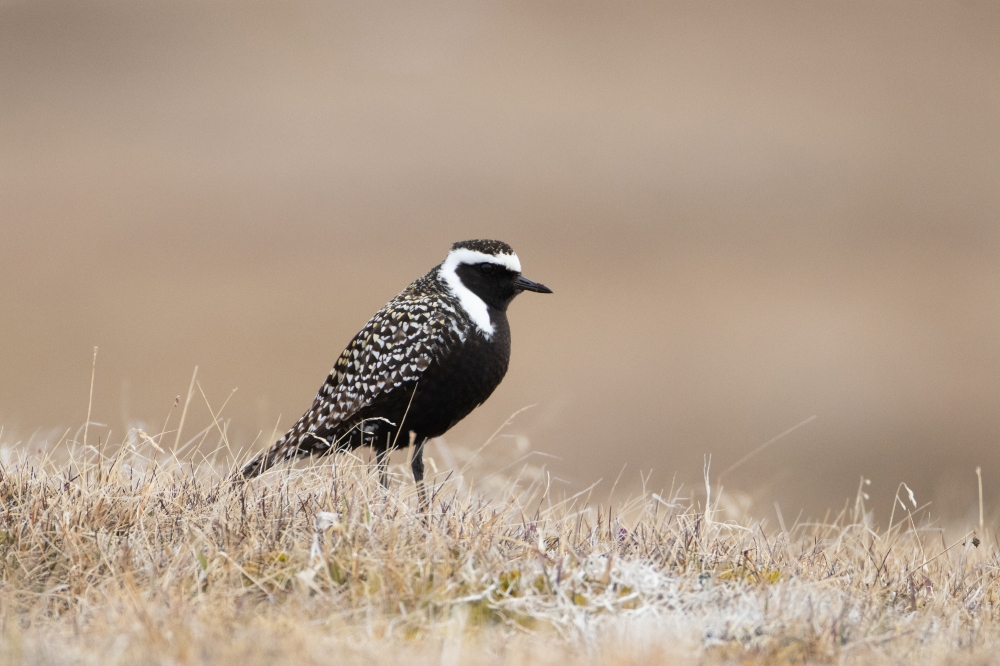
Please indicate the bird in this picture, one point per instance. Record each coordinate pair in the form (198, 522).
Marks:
(420, 365)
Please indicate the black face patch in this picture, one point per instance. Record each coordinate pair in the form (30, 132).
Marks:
(493, 283)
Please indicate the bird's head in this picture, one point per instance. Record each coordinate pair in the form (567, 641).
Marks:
(487, 271)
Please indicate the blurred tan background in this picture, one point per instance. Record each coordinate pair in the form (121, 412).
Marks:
(750, 213)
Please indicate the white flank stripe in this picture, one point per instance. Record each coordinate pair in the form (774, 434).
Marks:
(472, 304)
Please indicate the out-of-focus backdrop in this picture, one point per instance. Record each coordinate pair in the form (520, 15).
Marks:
(750, 213)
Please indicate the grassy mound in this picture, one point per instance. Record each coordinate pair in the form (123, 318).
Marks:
(117, 558)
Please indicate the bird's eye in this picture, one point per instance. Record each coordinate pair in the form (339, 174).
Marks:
(486, 268)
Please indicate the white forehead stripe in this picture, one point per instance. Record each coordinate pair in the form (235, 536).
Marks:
(472, 304)
(466, 256)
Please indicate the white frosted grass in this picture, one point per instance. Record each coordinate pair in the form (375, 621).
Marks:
(646, 610)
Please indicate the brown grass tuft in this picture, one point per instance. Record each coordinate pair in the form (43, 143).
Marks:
(120, 559)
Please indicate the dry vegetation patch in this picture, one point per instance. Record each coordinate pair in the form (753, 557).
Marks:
(123, 559)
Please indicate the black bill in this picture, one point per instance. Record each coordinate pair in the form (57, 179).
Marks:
(524, 284)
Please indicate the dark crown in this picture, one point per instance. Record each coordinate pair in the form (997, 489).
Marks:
(484, 246)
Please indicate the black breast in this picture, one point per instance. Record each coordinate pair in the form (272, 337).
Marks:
(461, 381)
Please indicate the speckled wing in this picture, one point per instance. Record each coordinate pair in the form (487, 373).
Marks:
(391, 351)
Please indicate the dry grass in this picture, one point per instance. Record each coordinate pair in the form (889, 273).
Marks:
(130, 555)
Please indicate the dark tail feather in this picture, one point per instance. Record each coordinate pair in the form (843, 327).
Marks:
(257, 466)
(296, 443)
(262, 462)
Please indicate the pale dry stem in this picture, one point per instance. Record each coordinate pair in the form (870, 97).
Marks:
(159, 560)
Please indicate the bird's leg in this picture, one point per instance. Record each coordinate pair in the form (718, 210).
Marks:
(417, 465)
(369, 437)
(382, 461)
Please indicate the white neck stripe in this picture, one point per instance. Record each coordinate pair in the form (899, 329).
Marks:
(473, 305)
